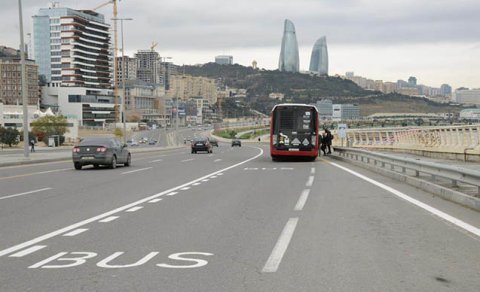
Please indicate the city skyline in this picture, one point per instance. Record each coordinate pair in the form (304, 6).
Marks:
(384, 41)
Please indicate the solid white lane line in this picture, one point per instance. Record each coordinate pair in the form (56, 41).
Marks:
(186, 160)
(313, 170)
(172, 194)
(281, 246)
(156, 160)
(109, 219)
(76, 232)
(434, 211)
(137, 170)
(217, 160)
(155, 200)
(117, 210)
(302, 200)
(196, 184)
(136, 208)
(25, 193)
(27, 251)
(310, 181)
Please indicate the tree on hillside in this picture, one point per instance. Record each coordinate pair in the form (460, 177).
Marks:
(49, 125)
(9, 136)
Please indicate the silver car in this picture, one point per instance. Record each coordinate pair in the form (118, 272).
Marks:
(98, 151)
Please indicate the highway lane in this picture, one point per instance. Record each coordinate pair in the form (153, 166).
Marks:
(257, 226)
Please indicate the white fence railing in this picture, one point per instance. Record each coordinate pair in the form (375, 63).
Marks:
(452, 139)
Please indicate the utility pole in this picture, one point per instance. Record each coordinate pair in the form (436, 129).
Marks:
(124, 109)
(24, 84)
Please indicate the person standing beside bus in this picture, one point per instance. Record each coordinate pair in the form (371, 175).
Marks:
(328, 140)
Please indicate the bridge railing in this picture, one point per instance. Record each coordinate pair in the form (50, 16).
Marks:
(463, 139)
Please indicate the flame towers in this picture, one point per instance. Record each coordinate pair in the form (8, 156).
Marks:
(319, 58)
(289, 59)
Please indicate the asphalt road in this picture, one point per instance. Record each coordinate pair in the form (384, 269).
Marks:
(229, 221)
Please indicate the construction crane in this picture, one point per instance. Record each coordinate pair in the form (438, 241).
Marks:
(115, 52)
(152, 47)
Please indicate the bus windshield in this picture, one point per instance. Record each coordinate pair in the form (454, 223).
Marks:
(293, 120)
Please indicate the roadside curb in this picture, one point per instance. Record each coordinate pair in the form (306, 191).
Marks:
(442, 192)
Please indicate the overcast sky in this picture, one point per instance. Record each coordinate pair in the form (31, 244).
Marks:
(438, 41)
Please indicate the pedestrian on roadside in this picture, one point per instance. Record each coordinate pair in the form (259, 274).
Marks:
(328, 142)
(32, 144)
(323, 145)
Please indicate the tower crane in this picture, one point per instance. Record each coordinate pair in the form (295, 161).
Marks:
(152, 47)
(115, 51)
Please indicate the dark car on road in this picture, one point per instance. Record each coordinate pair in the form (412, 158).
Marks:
(98, 151)
(201, 144)
(213, 141)
(236, 142)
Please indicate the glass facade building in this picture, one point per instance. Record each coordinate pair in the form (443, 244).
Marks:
(289, 58)
(319, 58)
(72, 47)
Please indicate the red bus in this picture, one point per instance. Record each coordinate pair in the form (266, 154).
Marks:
(294, 131)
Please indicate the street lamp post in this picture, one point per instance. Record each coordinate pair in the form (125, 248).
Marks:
(124, 110)
(24, 83)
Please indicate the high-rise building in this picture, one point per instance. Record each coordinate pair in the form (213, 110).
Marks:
(224, 60)
(72, 47)
(412, 81)
(147, 65)
(319, 58)
(446, 90)
(130, 68)
(289, 59)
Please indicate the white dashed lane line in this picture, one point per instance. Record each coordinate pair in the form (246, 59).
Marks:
(302, 200)
(312, 171)
(281, 246)
(109, 219)
(186, 160)
(156, 160)
(134, 209)
(76, 232)
(217, 160)
(196, 184)
(137, 170)
(155, 200)
(171, 194)
(25, 193)
(27, 251)
(310, 181)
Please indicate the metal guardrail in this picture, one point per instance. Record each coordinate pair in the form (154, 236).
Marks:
(451, 173)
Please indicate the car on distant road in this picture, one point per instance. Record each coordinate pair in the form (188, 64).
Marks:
(201, 144)
(152, 142)
(132, 142)
(98, 151)
(213, 141)
(236, 142)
